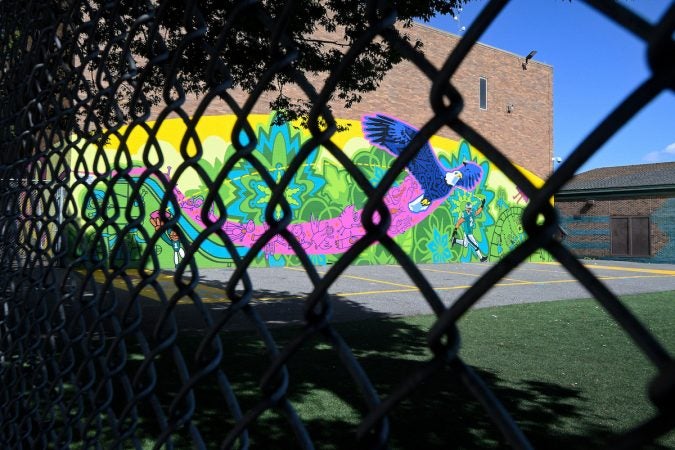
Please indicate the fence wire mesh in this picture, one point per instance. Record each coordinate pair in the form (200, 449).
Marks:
(83, 365)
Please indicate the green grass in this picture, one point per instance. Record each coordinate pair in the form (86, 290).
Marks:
(565, 370)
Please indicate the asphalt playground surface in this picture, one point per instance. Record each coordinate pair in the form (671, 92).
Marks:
(280, 294)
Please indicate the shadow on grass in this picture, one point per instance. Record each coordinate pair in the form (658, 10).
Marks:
(440, 413)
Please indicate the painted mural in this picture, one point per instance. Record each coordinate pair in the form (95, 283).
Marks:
(450, 205)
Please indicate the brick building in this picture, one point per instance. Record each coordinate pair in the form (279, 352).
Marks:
(625, 212)
(510, 106)
(507, 102)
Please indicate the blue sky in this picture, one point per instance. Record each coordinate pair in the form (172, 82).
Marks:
(596, 64)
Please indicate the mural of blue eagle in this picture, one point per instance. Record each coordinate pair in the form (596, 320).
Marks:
(437, 182)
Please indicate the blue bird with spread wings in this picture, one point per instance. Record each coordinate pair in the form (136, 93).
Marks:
(392, 135)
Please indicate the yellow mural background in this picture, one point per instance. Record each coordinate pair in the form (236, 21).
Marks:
(173, 141)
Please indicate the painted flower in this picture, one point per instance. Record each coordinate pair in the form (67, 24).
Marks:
(439, 246)
(276, 149)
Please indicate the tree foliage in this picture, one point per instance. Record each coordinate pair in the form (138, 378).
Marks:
(154, 51)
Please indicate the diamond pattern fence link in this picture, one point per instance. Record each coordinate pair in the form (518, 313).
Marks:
(79, 369)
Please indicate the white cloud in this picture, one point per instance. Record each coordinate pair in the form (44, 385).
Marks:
(651, 157)
(665, 154)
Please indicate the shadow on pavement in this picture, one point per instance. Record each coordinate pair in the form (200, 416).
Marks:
(322, 389)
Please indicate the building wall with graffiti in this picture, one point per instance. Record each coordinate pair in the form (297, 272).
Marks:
(589, 227)
(449, 205)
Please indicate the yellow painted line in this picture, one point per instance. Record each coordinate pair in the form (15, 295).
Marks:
(463, 273)
(633, 269)
(571, 280)
(451, 288)
(527, 269)
(618, 277)
(530, 283)
(223, 299)
(519, 283)
(619, 268)
(383, 291)
(388, 283)
(453, 272)
(372, 280)
(290, 297)
(207, 292)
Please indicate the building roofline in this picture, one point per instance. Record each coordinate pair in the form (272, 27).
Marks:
(631, 166)
(447, 33)
(639, 177)
(574, 194)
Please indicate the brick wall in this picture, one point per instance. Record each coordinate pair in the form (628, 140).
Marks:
(525, 135)
(589, 226)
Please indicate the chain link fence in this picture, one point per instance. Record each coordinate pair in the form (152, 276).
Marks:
(82, 363)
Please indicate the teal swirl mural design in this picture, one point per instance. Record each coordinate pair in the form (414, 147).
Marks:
(325, 202)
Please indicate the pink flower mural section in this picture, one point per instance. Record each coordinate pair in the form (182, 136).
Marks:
(425, 201)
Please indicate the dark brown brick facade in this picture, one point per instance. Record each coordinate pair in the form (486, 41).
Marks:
(525, 135)
(589, 231)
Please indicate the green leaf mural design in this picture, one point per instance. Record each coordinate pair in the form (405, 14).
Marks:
(431, 238)
(336, 187)
(320, 190)
(277, 147)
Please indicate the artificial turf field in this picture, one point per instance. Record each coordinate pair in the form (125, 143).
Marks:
(569, 375)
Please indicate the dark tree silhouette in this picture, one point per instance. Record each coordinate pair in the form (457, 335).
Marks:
(164, 49)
